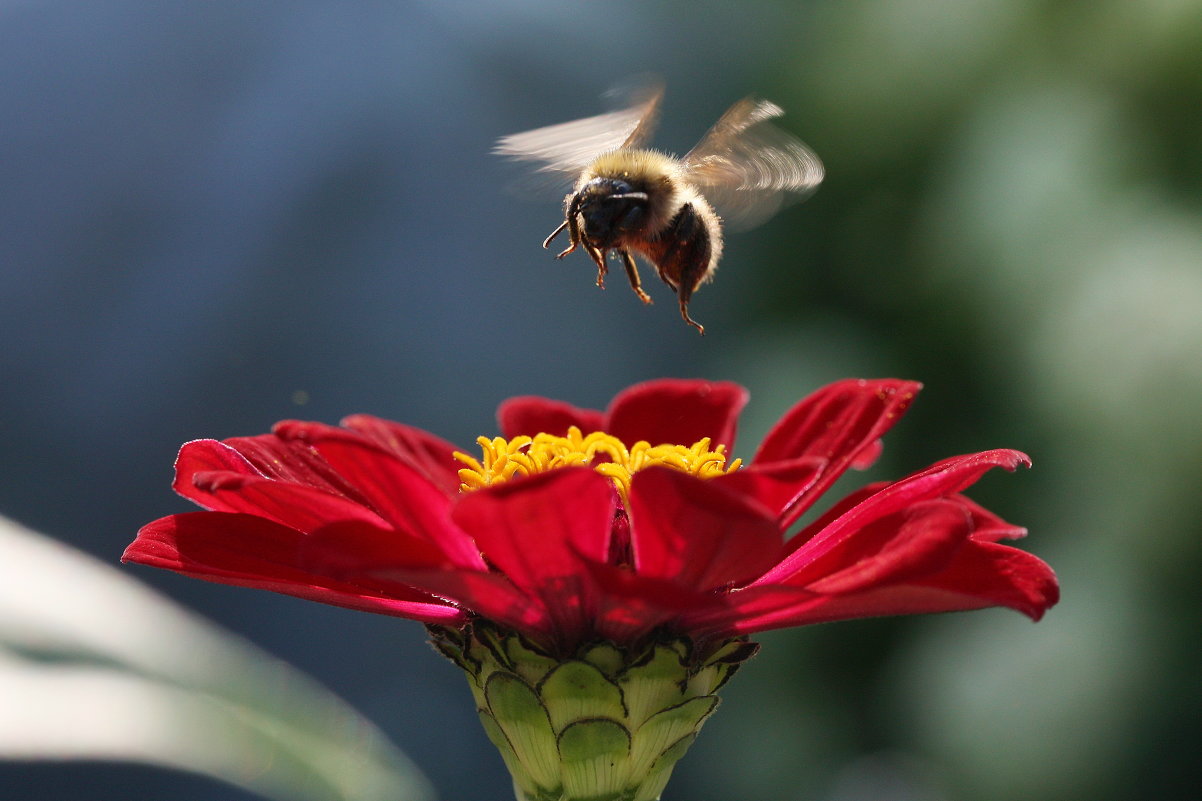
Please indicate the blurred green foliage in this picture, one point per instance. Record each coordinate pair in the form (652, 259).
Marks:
(1013, 214)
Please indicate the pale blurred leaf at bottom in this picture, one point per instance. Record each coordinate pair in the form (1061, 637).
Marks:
(95, 665)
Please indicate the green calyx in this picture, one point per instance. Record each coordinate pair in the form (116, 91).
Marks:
(607, 724)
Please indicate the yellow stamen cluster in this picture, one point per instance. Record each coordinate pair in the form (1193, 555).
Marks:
(525, 456)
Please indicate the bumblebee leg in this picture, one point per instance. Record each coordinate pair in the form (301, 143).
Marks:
(598, 257)
(684, 312)
(632, 273)
(685, 293)
(682, 255)
(571, 221)
(573, 241)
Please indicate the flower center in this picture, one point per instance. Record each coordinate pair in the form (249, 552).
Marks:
(525, 456)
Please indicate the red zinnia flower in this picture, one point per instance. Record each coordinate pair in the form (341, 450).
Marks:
(371, 516)
(574, 532)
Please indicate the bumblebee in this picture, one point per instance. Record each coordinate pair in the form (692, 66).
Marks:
(628, 199)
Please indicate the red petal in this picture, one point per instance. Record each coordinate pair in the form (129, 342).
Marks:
(919, 541)
(538, 530)
(218, 477)
(839, 420)
(987, 526)
(207, 455)
(532, 415)
(980, 575)
(351, 550)
(867, 457)
(983, 574)
(837, 510)
(696, 533)
(937, 481)
(677, 411)
(775, 485)
(633, 605)
(998, 575)
(429, 454)
(489, 595)
(396, 490)
(294, 462)
(922, 540)
(253, 552)
(266, 456)
(300, 507)
(733, 614)
(840, 423)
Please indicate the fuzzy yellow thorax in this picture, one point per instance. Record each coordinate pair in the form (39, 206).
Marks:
(525, 456)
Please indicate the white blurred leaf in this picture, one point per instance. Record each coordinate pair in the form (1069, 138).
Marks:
(95, 665)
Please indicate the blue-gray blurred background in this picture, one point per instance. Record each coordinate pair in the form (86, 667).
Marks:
(216, 215)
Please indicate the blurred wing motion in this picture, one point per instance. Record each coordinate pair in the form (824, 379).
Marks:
(569, 147)
(748, 168)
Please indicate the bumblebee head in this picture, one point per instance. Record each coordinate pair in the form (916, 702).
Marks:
(610, 209)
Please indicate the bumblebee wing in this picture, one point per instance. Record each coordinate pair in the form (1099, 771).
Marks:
(748, 168)
(569, 147)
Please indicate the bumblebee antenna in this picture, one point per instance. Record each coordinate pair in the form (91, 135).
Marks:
(555, 233)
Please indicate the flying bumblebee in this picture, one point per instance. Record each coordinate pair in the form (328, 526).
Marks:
(629, 199)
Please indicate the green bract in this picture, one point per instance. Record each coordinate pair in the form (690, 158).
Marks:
(607, 724)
